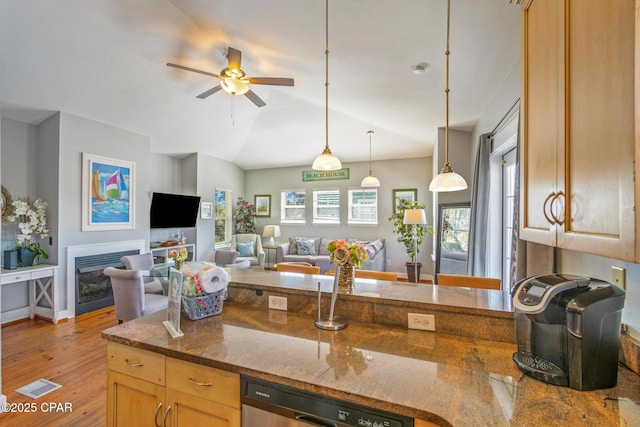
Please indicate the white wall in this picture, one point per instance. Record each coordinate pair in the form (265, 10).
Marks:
(393, 174)
(211, 173)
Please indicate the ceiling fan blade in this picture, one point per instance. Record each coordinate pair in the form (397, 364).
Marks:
(255, 98)
(234, 57)
(182, 67)
(209, 92)
(274, 81)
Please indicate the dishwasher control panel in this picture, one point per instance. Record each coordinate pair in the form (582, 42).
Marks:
(313, 408)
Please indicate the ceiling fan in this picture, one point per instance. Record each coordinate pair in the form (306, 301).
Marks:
(234, 81)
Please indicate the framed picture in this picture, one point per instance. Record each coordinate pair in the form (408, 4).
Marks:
(262, 203)
(108, 193)
(408, 194)
(206, 210)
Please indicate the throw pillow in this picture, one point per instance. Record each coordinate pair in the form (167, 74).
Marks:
(245, 249)
(293, 246)
(306, 246)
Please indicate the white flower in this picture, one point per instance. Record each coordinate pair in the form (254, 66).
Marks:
(30, 221)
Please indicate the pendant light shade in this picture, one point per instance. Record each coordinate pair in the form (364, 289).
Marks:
(370, 180)
(448, 180)
(326, 161)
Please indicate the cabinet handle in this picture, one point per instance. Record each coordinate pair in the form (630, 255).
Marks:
(133, 365)
(558, 221)
(194, 382)
(166, 413)
(155, 416)
(544, 208)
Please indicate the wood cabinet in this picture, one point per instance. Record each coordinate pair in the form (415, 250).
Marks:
(577, 154)
(146, 388)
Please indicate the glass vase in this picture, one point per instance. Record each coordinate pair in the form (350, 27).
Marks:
(178, 264)
(345, 274)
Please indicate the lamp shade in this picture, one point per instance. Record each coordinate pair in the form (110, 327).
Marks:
(448, 181)
(271, 231)
(414, 216)
(326, 162)
(234, 86)
(370, 181)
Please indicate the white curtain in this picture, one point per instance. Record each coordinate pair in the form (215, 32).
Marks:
(480, 196)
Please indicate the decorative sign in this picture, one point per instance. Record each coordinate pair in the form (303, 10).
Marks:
(325, 175)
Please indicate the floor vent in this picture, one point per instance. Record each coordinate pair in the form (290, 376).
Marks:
(38, 388)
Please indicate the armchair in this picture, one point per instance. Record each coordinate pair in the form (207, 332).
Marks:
(250, 248)
(223, 257)
(143, 262)
(129, 297)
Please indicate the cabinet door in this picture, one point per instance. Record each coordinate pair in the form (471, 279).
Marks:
(597, 174)
(542, 123)
(133, 402)
(188, 410)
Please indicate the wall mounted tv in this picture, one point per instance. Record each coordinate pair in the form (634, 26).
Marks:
(174, 210)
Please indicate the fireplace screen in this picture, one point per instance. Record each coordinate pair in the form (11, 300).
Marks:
(93, 288)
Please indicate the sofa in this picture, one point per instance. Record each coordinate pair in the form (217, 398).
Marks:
(314, 251)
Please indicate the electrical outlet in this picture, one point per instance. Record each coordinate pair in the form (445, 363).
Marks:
(423, 322)
(278, 303)
(389, 262)
(618, 276)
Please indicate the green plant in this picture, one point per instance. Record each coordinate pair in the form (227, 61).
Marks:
(405, 231)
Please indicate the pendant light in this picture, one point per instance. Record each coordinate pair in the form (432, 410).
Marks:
(326, 161)
(370, 181)
(448, 180)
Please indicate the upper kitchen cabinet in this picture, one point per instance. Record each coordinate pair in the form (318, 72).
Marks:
(578, 143)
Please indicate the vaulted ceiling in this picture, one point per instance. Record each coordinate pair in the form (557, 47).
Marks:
(105, 60)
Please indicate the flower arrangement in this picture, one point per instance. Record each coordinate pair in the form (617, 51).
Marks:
(342, 252)
(32, 220)
(178, 255)
(245, 217)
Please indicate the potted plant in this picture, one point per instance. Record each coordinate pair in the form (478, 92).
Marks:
(245, 217)
(406, 236)
(32, 220)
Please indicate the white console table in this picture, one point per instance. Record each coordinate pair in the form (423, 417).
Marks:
(43, 286)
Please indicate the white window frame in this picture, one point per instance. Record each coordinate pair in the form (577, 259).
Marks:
(351, 206)
(283, 207)
(317, 219)
(227, 217)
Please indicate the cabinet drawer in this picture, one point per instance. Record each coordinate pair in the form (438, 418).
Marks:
(40, 274)
(16, 277)
(204, 382)
(137, 363)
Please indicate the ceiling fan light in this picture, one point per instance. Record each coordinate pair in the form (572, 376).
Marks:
(234, 86)
(370, 181)
(448, 181)
(326, 162)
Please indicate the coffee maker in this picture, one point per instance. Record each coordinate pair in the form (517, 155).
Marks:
(568, 330)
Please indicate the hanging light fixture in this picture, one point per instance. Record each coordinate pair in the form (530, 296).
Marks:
(326, 161)
(448, 180)
(370, 181)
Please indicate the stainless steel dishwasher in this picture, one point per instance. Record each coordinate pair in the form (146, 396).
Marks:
(265, 404)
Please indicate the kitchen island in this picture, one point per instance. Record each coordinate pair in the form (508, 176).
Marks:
(438, 378)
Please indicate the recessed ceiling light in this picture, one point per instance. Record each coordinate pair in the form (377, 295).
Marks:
(420, 68)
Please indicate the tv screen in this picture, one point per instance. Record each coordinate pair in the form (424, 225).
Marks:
(174, 210)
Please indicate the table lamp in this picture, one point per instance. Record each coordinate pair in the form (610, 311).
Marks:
(415, 217)
(271, 231)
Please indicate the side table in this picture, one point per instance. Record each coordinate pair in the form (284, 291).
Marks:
(268, 264)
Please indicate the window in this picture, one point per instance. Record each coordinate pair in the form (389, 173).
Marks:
(363, 206)
(508, 203)
(223, 221)
(292, 207)
(326, 206)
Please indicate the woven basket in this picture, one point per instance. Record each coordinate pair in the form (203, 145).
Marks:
(203, 305)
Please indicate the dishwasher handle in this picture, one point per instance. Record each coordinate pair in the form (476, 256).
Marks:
(315, 421)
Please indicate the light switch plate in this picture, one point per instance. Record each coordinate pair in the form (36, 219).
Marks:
(618, 277)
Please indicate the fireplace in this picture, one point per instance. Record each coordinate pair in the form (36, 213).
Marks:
(93, 288)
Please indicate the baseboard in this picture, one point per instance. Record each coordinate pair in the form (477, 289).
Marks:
(13, 315)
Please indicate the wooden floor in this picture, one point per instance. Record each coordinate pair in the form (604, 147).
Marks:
(71, 354)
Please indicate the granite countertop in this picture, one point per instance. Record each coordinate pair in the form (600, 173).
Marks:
(445, 379)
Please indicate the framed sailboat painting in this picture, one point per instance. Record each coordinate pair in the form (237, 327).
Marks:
(108, 200)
